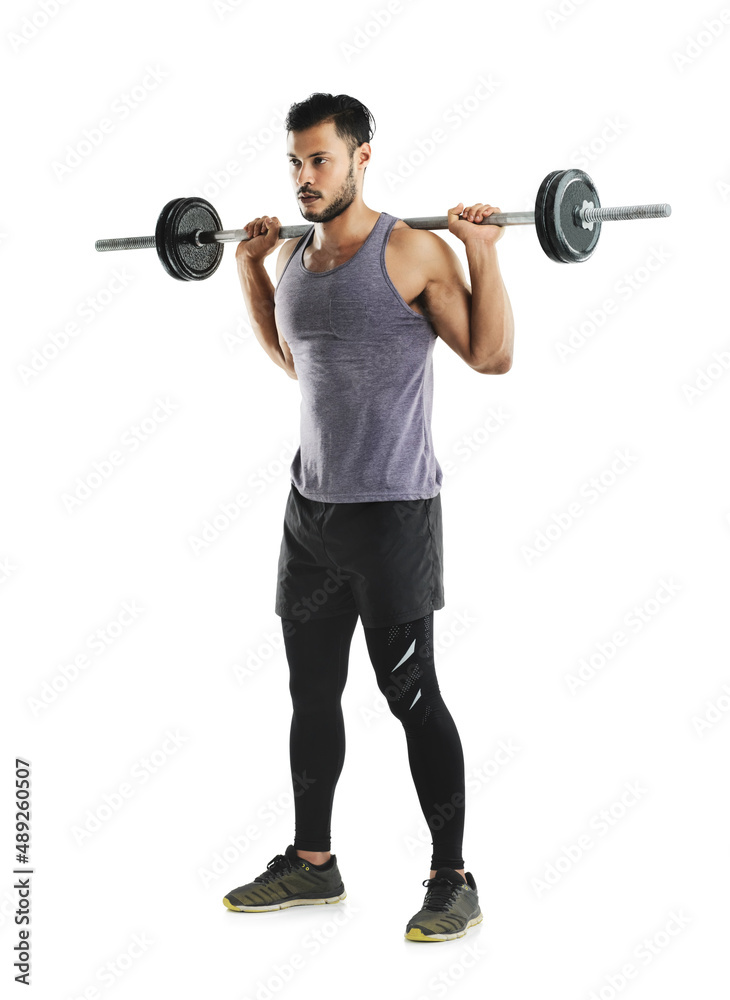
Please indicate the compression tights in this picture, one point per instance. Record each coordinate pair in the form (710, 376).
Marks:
(402, 655)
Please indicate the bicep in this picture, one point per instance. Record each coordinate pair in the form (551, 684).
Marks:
(447, 299)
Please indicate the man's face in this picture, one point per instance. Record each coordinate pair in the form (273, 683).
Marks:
(319, 165)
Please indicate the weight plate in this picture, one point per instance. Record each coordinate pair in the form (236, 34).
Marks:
(180, 256)
(575, 243)
(160, 243)
(544, 219)
(562, 230)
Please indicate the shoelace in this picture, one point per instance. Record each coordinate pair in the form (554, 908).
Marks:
(440, 893)
(274, 868)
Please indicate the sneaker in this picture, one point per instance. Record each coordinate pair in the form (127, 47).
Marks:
(450, 908)
(288, 881)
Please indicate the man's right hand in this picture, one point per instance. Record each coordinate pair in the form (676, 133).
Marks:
(262, 239)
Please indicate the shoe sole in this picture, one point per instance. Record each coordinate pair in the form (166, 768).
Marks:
(284, 904)
(416, 934)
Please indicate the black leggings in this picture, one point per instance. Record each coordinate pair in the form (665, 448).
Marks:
(402, 655)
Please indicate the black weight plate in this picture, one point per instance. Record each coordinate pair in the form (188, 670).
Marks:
(194, 263)
(572, 241)
(544, 223)
(183, 218)
(160, 243)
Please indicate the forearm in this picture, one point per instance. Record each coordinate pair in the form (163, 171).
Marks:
(258, 294)
(492, 324)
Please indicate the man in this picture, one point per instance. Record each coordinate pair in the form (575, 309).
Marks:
(360, 301)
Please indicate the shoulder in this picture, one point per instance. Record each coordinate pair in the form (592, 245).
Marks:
(419, 238)
(423, 245)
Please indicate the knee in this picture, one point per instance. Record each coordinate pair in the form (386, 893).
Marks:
(410, 700)
(312, 699)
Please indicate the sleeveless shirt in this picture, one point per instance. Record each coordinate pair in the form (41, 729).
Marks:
(364, 361)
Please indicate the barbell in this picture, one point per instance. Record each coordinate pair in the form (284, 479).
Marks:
(567, 216)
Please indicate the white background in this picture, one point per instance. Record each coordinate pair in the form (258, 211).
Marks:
(634, 93)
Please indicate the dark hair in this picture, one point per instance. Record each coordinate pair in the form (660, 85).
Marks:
(351, 118)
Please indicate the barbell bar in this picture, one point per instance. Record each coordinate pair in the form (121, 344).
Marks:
(568, 216)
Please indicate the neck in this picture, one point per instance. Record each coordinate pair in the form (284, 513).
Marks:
(349, 228)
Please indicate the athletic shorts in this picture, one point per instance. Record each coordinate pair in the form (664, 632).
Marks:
(383, 559)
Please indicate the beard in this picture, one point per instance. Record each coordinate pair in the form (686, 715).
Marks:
(342, 200)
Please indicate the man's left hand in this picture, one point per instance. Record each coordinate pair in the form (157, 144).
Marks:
(465, 227)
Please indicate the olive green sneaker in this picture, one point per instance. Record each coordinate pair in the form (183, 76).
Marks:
(450, 908)
(288, 881)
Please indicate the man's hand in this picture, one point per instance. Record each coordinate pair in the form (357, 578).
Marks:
(262, 239)
(465, 228)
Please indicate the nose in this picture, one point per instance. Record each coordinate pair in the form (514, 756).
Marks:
(303, 178)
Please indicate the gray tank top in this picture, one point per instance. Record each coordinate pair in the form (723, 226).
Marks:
(364, 360)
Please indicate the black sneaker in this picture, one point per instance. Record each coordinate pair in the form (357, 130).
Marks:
(288, 881)
(450, 908)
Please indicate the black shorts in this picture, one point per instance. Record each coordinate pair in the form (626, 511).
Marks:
(383, 559)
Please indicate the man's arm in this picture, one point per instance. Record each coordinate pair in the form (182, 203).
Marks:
(477, 322)
(284, 254)
(258, 293)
